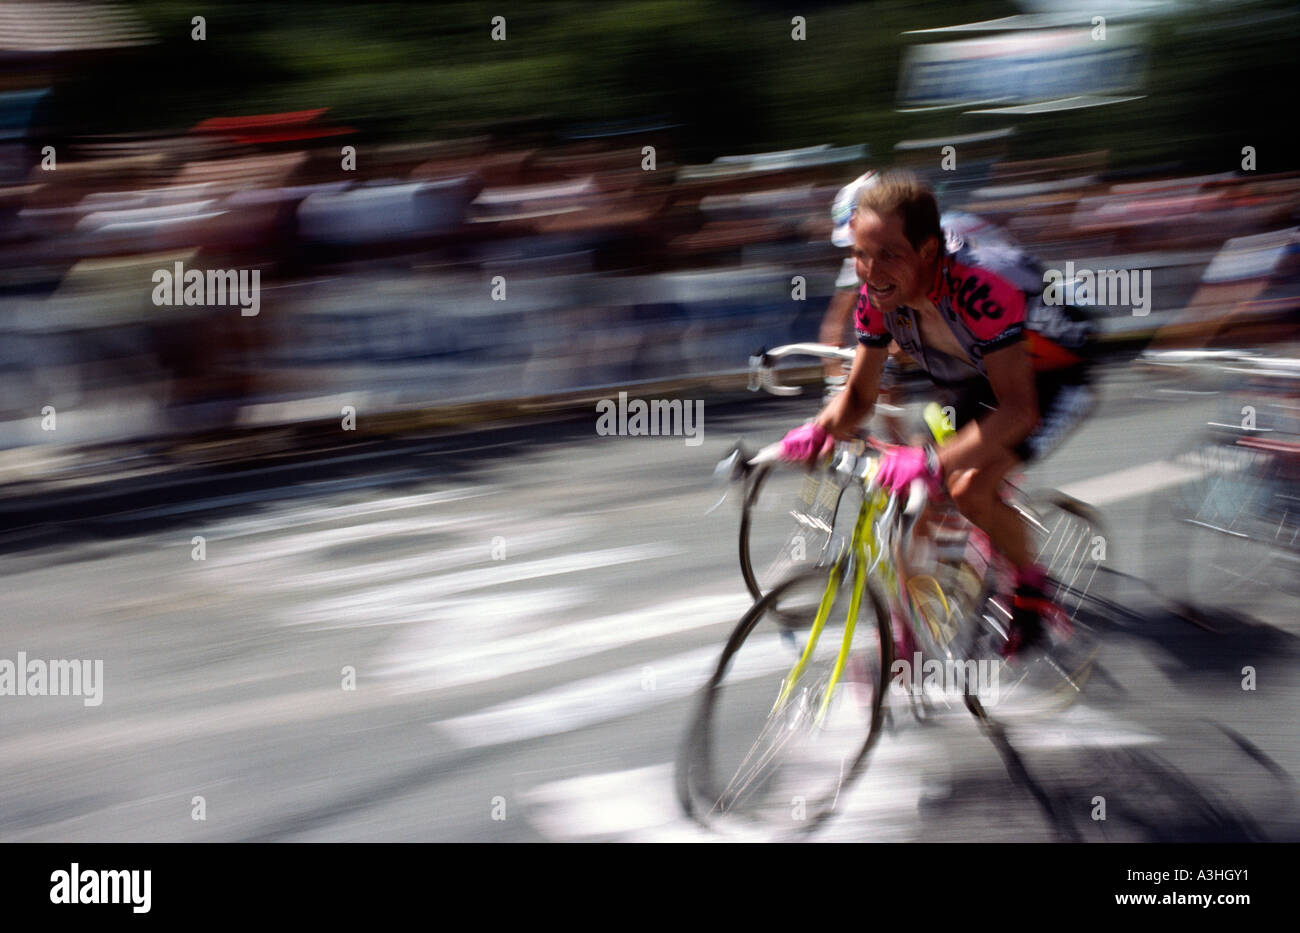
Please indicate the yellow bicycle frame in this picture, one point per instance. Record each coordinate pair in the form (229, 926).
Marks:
(868, 553)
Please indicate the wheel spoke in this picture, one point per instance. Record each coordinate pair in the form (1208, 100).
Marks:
(752, 762)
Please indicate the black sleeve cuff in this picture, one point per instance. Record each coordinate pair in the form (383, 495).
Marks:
(1008, 337)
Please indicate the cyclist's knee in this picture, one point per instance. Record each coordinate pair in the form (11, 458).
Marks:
(972, 492)
(975, 490)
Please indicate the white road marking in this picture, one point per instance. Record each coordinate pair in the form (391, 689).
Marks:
(640, 804)
(457, 664)
(291, 545)
(612, 695)
(588, 701)
(1134, 481)
(295, 516)
(431, 563)
(398, 601)
(459, 625)
(619, 804)
(1078, 726)
(170, 727)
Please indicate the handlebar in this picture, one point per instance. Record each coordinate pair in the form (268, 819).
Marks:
(762, 374)
(847, 466)
(850, 466)
(1188, 359)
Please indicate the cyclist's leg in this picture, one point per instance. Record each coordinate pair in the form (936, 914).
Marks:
(975, 491)
(1064, 399)
(975, 487)
(837, 324)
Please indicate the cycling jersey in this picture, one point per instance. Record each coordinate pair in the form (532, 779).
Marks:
(990, 297)
(961, 228)
(1065, 398)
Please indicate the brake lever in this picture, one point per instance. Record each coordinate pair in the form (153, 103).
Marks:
(732, 468)
(757, 364)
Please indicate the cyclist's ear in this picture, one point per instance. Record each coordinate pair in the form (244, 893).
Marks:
(929, 249)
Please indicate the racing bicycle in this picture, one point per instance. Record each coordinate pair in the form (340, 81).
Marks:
(788, 718)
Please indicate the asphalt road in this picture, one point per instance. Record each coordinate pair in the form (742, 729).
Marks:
(526, 615)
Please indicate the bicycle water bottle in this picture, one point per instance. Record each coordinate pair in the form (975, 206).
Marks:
(938, 423)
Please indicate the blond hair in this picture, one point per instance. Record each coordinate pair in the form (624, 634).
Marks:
(906, 193)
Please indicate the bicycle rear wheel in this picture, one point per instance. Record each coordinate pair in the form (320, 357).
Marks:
(1068, 539)
(1239, 517)
(779, 733)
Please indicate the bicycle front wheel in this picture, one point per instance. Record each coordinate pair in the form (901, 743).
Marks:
(787, 719)
(786, 525)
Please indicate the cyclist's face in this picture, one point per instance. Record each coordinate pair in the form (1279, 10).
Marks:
(886, 261)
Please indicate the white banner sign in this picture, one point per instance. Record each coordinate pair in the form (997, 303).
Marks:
(1023, 67)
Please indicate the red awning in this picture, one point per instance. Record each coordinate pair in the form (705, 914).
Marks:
(272, 127)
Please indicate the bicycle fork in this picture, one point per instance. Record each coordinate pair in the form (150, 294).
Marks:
(823, 613)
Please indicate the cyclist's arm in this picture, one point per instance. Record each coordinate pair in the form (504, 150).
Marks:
(898, 361)
(1011, 374)
(836, 322)
(847, 410)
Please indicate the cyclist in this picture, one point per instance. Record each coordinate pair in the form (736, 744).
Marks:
(836, 324)
(973, 318)
(902, 378)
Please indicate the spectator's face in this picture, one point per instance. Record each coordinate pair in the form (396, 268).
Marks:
(893, 271)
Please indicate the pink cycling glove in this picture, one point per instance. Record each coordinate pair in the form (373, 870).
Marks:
(901, 465)
(805, 443)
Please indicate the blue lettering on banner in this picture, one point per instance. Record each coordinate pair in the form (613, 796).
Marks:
(1023, 78)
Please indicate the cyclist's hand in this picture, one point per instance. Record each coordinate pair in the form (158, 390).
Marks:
(901, 465)
(806, 443)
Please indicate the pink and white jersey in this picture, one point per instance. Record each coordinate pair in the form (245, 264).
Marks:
(990, 298)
